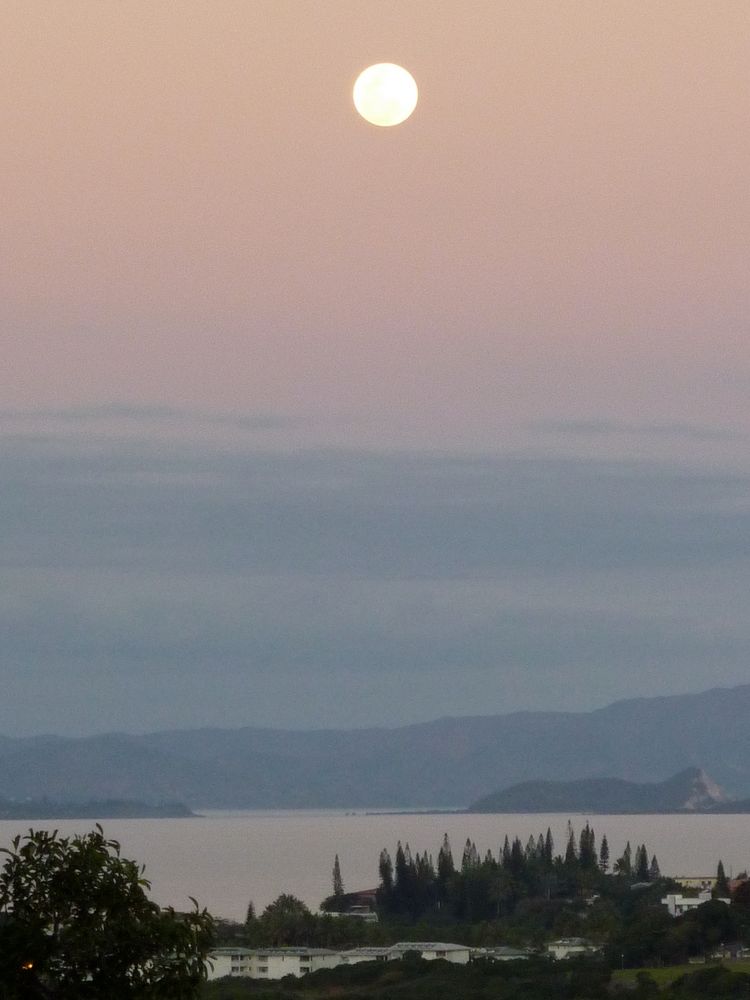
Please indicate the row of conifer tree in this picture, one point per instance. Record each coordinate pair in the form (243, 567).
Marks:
(488, 886)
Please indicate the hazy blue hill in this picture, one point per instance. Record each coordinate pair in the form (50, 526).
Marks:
(109, 809)
(689, 791)
(447, 762)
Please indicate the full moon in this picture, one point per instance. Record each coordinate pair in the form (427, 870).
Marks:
(385, 94)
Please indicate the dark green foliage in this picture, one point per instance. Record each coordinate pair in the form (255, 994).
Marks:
(489, 889)
(414, 979)
(286, 921)
(712, 983)
(741, 909)
(523, 897)
(78, 925)
(645, 988)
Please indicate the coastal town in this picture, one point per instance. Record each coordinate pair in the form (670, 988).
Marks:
(275, 963)
(692, 919)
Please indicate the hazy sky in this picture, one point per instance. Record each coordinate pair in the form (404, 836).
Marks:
(306, 422)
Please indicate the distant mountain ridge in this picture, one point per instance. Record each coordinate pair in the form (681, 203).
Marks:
(446, 763)
(689, 791)
(34, 809)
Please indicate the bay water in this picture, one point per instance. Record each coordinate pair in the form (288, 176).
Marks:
(226, 859)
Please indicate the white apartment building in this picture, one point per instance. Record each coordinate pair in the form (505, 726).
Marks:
(270, 963)
(501, 953)
(357, 955)
(677, 904)
(275, 963)
(459, 954)
(229, 962)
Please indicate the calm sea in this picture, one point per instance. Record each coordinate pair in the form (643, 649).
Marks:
(227, 859)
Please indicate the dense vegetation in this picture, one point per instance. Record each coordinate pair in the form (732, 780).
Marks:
(527, 894)
(76, 923)
(536, 979)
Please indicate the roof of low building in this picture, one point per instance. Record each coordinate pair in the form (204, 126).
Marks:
(427, 946)
(227, 950)
(502, 949)
(290, 952)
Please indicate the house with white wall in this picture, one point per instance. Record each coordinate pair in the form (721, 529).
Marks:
(459, 954)
(501, 953)
(275, 963)
(357, 955)
(229, 962)
(678, 904)
(270, 963)
(570, 947)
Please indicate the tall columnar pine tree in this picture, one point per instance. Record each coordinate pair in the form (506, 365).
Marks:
(587, 849)
(549, 848)
(506, 852)
(654, 871)
(517, 859)
(385, 869)
(604, 855)
(624, 864)
(399, 869)
(721, 888)
(445, 867)
(571, 854)
(641, 864)
(338, 882)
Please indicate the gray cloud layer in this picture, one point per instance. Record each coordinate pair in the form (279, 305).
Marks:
(150, 583)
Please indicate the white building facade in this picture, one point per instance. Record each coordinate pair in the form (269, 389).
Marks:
(677, 904)
(275, 963)
(570, 947)
(270, 963)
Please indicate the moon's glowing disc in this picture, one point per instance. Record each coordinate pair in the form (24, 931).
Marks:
(385, 94)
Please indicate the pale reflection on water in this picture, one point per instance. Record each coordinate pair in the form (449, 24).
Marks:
(227, 859)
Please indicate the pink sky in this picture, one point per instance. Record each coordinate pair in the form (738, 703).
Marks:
(194, 215)
(209, 264)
